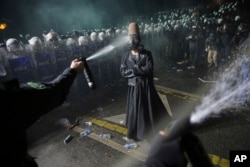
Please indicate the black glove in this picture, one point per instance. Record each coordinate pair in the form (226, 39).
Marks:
(166, 154)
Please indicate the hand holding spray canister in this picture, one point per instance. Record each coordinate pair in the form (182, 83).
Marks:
(87, 73)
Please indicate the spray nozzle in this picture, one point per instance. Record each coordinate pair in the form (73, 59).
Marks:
(179, 128)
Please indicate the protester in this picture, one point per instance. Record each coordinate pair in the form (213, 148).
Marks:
(144, 109)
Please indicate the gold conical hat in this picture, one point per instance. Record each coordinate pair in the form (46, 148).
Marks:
(133, 28)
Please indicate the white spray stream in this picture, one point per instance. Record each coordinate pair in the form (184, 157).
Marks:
(117, 43)
(231, 91)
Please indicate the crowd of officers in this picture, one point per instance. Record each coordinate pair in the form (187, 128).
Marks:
(197, 36)
(42, 59)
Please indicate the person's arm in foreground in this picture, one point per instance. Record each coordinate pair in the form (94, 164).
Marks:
(41, 98)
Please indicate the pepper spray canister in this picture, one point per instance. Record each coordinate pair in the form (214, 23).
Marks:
(87, 73)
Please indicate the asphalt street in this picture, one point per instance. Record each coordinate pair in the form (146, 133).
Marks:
(105, 109)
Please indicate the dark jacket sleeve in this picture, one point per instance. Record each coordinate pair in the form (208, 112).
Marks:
(142, 68)
(34, 102)
(126, 67)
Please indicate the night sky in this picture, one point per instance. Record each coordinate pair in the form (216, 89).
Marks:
(34, 17)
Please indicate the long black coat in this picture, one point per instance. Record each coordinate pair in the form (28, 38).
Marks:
(144, 107)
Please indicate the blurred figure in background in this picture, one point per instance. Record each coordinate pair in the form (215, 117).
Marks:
(212, 48)
(238, 39)
(193, 43)
(225, 34)
(14, 47)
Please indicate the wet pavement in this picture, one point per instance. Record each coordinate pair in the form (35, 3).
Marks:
(105, 108)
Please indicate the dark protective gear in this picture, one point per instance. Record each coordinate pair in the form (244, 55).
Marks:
(168, 155)
(21, 67)
(51, 36)
(101, 36)
(178, 147)
(45, 67)
(83, 41)
(13, 45)
(93, 36)
(70, 42)
(35, 42)
(62, 58)
(23, 106)
(195, 151)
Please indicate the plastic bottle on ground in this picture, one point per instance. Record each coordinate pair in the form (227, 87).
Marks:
(106, 136)
(131, 145)
(85, 133)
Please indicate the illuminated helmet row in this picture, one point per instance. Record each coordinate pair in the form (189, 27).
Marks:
(13, 45)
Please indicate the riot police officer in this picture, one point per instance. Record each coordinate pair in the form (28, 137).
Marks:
(23, 105)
